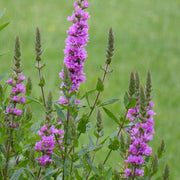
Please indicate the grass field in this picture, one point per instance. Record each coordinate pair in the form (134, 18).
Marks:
(146, 37)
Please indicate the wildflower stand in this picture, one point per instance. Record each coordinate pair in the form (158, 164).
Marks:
(51, 150)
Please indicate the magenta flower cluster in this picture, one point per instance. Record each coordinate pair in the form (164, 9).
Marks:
(48, 142)
(17, 89)
(141, 134)
(75, 53)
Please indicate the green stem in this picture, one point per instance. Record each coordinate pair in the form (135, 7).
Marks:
(117, 136)
(95, 102)
(66, 138)
(42, 90)
(39, 173)
(8, 155)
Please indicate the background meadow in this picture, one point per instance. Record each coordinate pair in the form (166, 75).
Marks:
(146, 37)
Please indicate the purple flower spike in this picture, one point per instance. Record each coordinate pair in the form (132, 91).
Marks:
(141, 134)
(75, 54)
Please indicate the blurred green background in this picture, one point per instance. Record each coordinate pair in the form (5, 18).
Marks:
(146, 37)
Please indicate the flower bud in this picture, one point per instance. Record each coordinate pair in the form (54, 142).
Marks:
(28, 86)
(110, 46)
(161, 149)
(166, 172)
(49, 109)
(99, 132)
(142, 104)
(148, 88)
(28, 114)
(155, 163)
(131, 85)
(137, 82)
(116, 175)
(38, 50)
(17, 56)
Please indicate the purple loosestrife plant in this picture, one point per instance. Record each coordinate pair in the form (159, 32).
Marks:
(141, 131)
(42, 150)
(18, 87)
(75, 53)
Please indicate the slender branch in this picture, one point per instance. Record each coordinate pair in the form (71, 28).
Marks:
(39, 173)
(117, 136)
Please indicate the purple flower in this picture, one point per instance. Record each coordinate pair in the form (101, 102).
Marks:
(48, 142)
(141, 134)
(135, 160)
(10, 81)
(44, 159)
(75, 54)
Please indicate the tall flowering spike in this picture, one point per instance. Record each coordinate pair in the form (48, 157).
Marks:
(140, 135)
(110, 46)
(161, 149)
(75, 53)
(16, 83)
(137, 82)
(148, 88)
(142, 104)
(131, 85)
(38, 50)
(17, 56)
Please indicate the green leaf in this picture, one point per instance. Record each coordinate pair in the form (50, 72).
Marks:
(82, 124)
(4, 138)
(3, 25)
(114, 144)
(61, 114)
(111, 115)
(99, 85)
(50, 173)
(91, 164)
(78, 177)
(108, 102)
(87, 93)
(42, 82)
(2, 12)
(108, 174)
(1, 54)
(17, 174)
(33, 99)
(72, 100)
(129, 103)
(4, 75)
(88, 126)
(87, 149)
